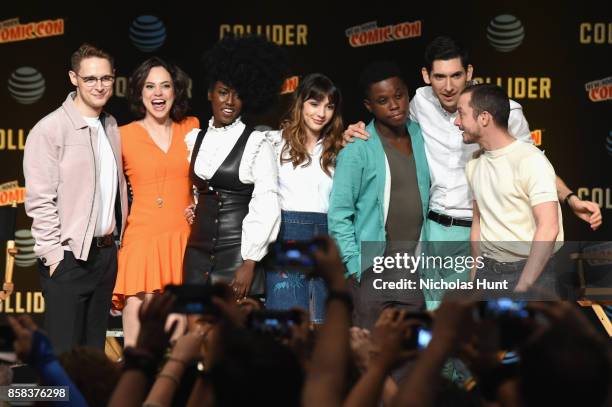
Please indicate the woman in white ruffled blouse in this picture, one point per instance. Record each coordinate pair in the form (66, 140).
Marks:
(233, 169)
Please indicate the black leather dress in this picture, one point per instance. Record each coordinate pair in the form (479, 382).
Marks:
(213, 250)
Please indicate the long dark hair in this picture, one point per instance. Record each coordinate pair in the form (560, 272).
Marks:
(314, 86)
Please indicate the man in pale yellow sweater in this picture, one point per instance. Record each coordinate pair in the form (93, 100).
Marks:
(517, 217)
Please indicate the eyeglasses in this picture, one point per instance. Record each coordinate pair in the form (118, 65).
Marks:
(90, 81)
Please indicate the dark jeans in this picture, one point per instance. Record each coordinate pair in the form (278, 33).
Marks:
(510, 272)
(286, 289)
(78, 298)
(368, 301)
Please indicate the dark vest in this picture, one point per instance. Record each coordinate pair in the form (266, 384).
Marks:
(223, 203)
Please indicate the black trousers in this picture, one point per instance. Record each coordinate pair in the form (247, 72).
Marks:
(368, 301)
(78, 298)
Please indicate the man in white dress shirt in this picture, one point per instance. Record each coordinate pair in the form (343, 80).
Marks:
(434, 107)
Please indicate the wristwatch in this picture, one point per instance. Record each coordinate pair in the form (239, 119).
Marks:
(568, 196)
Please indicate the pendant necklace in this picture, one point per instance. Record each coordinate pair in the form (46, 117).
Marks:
(160, 189)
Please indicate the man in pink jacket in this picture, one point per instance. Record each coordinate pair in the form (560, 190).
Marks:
(77, 198)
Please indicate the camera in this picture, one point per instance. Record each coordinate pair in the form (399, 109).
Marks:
(275, 323)
(196, 298)
(294, 254)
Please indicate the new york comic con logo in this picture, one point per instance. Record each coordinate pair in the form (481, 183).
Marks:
(600, 90)
(12, 30)
(371, 34)
(11, 192)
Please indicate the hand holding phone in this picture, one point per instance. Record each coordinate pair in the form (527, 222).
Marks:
(510, 317)
(272, 322)
(196, 298)
(294, 254)
(503, 307)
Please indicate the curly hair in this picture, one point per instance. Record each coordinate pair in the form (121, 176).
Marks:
(180, 83)
(314, 86)
(378, 71)
(251, 65)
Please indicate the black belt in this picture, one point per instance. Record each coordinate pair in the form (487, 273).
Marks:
(103, 241)
(446, 220)
(503, 267)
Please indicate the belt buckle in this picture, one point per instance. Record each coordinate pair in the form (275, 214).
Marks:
(442, 219)
(102, 241)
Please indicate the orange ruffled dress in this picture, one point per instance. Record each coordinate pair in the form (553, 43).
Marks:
(153, 246)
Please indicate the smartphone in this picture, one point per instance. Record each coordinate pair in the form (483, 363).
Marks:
(510, 358)
(511, 317)
(294, 254)
(503, 307)
(196, 298)
(272, 322)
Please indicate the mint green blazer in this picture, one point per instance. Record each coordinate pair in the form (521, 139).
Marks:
(356, 208)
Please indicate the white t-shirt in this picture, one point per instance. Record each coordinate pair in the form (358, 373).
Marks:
(507, 183)
(107, 179)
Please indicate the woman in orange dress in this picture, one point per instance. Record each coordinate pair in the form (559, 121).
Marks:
(153, 148)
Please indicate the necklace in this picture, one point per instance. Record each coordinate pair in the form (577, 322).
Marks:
(159, 189)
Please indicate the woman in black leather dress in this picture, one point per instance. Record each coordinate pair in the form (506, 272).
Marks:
(233, 169)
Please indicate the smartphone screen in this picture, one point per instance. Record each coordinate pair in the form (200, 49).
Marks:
(275, 323)
(510, 358)
(505, 306)
(291, 255)
(294, 254)
(423, 338)
(195, 298)
(419, 338)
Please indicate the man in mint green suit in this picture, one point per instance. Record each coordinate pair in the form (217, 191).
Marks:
(379, 199)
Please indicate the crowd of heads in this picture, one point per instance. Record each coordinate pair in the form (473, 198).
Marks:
(559, 358)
